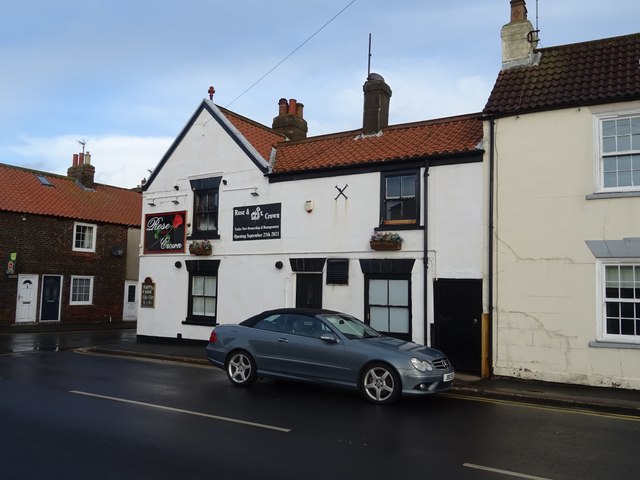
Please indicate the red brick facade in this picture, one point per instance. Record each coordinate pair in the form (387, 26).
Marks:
(44, 246)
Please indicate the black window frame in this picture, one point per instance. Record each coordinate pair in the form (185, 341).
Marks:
(402, 222)
(201, 268)
(205, 187)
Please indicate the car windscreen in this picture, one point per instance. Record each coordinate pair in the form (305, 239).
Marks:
(351, 327)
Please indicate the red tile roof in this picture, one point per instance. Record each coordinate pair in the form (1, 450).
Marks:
(262, 138)
(589, 73)
(449, 136)
(22, 192)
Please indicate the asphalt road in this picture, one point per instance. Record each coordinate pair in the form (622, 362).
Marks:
(67, 415)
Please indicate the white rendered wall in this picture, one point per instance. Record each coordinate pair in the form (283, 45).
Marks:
(337, 227)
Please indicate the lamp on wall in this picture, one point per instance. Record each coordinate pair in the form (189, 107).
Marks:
(255, 193)
(152, 203)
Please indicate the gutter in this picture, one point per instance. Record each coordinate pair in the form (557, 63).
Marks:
(425, 260)
(487, 326)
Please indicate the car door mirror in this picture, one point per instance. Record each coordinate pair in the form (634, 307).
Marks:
(328, 338)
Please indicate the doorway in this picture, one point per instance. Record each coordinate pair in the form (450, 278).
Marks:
(309, 290)
(130, 308)
(50, 301)
(27, 298)
(457, 322)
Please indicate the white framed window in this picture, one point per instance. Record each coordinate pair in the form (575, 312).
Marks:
(81, 290)
(84, 237)
(619, 301)
(619, 152)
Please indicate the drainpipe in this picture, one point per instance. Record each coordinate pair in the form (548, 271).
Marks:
(425, 260)
(487, 327)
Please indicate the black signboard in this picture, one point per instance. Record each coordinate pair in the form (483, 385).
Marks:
(148, 297)
(165, 232)
(258, 222)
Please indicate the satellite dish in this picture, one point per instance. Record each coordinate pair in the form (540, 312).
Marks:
(117, 251)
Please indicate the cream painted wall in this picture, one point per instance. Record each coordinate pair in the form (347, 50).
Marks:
(545, 275)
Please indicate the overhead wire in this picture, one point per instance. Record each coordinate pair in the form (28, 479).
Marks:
(292, 52)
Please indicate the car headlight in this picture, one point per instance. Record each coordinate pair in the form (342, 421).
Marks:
(421, 365)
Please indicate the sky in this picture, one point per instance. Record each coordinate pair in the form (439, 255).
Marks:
(125, 76)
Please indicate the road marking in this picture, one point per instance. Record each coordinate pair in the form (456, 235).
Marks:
(575, 410)
(503, 472)
(179, 410)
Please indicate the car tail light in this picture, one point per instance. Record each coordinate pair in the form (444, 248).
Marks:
(214, 337)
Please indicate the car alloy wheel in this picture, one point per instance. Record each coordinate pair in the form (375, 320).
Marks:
(241, 369)
(380, 384)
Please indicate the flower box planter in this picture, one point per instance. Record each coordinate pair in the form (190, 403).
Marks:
(200, 250)
(385, 245)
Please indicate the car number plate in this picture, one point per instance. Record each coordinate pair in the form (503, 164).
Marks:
(448, 377)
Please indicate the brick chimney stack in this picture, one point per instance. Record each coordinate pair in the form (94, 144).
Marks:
(377, 96)
(81, 169)
(289, 121)
(519, 39)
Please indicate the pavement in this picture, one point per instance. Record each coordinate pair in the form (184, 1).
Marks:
(600, 399)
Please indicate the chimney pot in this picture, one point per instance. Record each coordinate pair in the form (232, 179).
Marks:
(81, 159)
(75, 159)
(292, 106)
(283, 105)
(518, 11)
(289, 121)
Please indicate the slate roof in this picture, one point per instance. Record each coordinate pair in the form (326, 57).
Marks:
(449, 136)
(22, 192)
(579, 74)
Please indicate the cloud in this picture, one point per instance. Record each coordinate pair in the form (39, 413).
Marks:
(121, 161)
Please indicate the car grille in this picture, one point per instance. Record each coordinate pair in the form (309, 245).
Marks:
(441, 363)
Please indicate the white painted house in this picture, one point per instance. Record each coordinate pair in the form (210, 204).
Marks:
(290, 219)
(563, 160)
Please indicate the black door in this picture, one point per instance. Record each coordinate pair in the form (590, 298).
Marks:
(309, 290)
(50, 298)
(457, 324)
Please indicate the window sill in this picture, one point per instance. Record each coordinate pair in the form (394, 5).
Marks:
(599, 195)
(209, 235)
(610, 344)
(202, 323)
(399, 226)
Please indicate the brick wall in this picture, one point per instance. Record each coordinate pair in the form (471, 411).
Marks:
(44, 246)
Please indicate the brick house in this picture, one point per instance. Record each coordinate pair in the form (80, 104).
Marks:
(69, 247)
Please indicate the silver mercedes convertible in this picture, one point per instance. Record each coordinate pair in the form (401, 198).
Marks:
(327, 347)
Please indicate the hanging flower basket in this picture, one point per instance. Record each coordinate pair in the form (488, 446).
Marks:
(201, 247)
(385, 241)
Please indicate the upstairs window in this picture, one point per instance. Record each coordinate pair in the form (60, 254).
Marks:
(399, 202)
(84, 237)
(620, 153)
(205, 207)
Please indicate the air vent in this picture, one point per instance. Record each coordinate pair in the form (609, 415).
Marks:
(338, 271)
